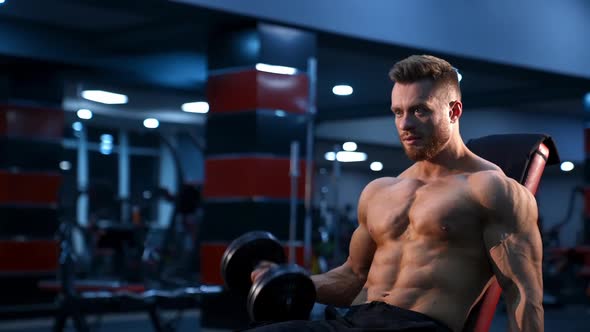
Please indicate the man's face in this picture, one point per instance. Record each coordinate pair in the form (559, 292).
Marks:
(421, 117)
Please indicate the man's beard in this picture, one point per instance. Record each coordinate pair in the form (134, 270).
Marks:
(431, 145)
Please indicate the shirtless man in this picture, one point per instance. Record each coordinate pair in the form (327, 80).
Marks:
(430, 240)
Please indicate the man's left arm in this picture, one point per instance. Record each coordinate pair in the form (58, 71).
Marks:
(513, 243)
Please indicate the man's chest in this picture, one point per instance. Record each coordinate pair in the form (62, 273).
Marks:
(441, 210)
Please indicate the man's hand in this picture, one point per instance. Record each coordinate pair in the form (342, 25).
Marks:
(261, 269)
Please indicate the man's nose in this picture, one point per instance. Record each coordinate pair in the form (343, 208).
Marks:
(407, 122)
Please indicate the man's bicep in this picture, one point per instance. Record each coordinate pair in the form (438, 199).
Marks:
(362, 247)
(514, 245)
(361, 251)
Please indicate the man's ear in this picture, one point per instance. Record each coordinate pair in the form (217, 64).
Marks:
(456, 110)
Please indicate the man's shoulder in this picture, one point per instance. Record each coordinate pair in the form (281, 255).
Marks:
(380, 183)
(493, 183)
(383, 182)
(497, 192)
(488, 179)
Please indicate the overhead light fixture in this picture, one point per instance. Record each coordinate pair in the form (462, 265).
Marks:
(376, 166)
(77, 126)
(342, 90)
(2, 1)
(346, 156)
(280, 113)
(567, 166)
(151, 123)
(106, 144)
(104, 97)
(349, 146)
(84, 114)
(276, 69)
(64, 165)
(196, 107)
(106, 138)
(106, 148)
(587, 100)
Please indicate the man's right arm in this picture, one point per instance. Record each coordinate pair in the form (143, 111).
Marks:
(342, 284)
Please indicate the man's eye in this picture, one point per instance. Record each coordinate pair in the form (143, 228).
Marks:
(420, 111)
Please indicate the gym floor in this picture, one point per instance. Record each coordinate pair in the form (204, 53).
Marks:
(566, 319)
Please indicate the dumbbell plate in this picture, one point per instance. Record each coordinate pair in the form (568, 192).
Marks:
(244, 253)
(283, 293)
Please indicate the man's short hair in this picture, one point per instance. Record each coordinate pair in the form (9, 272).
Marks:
(418, 67)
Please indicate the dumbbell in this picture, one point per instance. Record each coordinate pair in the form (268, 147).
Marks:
(284, 292)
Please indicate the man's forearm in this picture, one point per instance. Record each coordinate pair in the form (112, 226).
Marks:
(525, 315)
(338, 286)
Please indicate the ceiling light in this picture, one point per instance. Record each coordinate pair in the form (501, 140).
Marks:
(106, 148)
(196, 107)
(376, 166)
(77, 126)
(349, 146)
(2, 1)
(84, 114)
(64, 165)
(587, 100)
(346, 156)
(280, 113)
(276, 69)
(106, 138)
(567, 166)
(104, 97)
(342, 90)
(151, 123)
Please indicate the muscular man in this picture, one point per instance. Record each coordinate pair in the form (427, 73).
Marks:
(430, 240)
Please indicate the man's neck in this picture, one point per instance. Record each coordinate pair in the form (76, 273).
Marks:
(450, 160)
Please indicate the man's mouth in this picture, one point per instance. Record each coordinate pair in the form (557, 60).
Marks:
(412, 139)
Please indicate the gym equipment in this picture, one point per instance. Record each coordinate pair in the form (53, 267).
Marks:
(81, 297)
(293, 175)
(243, 255)
(284, 292)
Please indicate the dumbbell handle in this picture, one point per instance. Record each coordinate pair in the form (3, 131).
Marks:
(261, 268)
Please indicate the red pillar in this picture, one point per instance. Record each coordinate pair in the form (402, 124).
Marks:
(254, 116)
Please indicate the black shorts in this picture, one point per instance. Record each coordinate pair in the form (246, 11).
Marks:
(374, 316)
